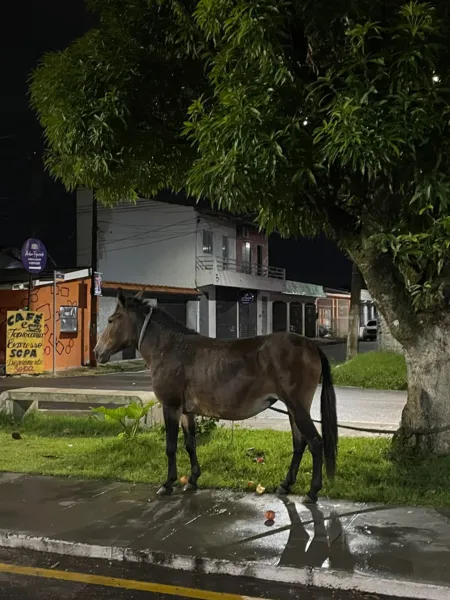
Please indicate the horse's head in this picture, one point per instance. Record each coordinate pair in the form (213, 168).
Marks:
(122, 329)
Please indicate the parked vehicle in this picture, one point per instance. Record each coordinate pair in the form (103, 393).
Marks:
(324, 330)
(370, 331)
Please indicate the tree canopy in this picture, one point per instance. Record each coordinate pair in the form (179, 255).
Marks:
(316, 115)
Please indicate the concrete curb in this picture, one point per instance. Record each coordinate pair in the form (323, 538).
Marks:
(305, 576)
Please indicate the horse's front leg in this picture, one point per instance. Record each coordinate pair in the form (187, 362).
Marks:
(188, 425)
(172, 423)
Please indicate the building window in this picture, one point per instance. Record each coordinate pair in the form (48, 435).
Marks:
(225, 251)
(246, 257)
(207, 242)
(68, 316)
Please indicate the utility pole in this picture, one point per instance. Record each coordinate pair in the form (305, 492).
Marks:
(354, 314)
(94, 298)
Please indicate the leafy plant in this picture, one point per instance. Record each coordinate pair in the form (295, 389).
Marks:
(205, 425)
(129, 417)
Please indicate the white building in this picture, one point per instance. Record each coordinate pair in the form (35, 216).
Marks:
(208, 270)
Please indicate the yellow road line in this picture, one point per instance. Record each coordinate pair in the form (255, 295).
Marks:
(127, 584)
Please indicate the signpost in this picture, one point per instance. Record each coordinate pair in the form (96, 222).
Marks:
(98, 281)
(34, 260)
(57, 276)
(24, 342)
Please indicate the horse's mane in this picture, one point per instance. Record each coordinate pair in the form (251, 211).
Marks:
(160, 316)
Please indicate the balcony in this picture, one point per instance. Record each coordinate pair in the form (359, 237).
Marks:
(228, 272)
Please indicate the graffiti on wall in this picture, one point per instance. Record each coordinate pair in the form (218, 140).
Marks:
(24, 344)
(70, 347)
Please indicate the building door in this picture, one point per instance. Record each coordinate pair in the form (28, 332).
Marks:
(296, 317)
(310, 320)
(204, 314)
(226, 313)
(264, 315)
(279, 316)
(259, 260)
(248, 314)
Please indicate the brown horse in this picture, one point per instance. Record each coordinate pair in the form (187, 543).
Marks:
(233, 380)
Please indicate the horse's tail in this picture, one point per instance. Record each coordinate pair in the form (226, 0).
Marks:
(329, 417)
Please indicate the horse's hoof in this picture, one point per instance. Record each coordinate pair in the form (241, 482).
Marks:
(164, 491)
(309, 500)
(190, 487)
(282, 491)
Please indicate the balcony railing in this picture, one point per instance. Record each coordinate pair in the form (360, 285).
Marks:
(231, 264)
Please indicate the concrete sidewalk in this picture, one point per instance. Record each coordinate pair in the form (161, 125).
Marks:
(401, 552)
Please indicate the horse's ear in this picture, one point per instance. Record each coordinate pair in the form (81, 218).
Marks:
(121, 298)
(139, 295)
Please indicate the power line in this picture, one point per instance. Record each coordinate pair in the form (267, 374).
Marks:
(153, 242)
(152, 230)
(107, 244)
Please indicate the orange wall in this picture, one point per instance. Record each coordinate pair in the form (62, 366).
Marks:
(72, 349)
(9, 300)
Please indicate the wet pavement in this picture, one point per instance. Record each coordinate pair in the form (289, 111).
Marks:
(406, 544)
(20, 587)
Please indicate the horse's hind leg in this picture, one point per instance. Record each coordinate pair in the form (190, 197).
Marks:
(172, 423)
(309, 432)
(299, 444)
(302, 419)
(188, 425)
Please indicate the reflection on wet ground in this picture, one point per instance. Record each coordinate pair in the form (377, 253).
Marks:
(409, 543)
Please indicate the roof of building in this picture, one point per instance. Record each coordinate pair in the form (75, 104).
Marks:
(157, 289)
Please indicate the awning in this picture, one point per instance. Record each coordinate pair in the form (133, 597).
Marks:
(297, 288)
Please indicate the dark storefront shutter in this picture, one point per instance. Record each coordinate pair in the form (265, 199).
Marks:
(279, 316)
(310, 320)
(226, 313)
(296, 317)
(248, 314)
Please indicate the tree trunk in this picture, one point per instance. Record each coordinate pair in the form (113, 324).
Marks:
(354, 314)
(428, 406)
(425, 422)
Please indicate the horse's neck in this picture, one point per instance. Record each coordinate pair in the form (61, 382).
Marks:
(160, 338)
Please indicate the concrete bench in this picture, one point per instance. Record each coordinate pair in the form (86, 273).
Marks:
(78, 402)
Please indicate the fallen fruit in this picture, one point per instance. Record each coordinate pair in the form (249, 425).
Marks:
(270, 515)
(251, 484)
(260, 489)
(184, 480)
(260, 459)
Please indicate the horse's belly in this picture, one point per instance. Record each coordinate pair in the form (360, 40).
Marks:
(230, 409)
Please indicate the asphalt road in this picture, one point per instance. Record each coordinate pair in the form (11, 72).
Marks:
(133, 381)
(365, 407)
(50, 577)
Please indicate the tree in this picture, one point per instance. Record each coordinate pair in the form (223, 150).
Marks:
(316, 116)
(354, 314)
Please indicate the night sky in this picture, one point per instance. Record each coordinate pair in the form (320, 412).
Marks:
(32, 204)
